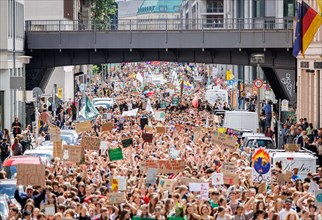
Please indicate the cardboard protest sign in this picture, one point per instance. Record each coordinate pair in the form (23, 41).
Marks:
(151, 175)
(228, 167)
(147, 137)
(187, 180)
(160, 130)
(91, 143)
(83, 126)
(166, 184)
(54, 133)
(148, 128)
(262, 187)
(58, 149)
(291, 147)
(231, 178)
(115, 154)
(31, 174)
(166, 166)
(159, 116)
(217, 179)
(127, 142)
(143, 122)
(224, 140)
(116, 198)
(108, 126)
(72, 153)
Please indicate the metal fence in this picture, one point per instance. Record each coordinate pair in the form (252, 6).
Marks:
(161, 24)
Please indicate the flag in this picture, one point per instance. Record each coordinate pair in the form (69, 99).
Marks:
(139, 78)
(298, 38)
(311, 22)
(229, 75)
(149, 107)
(320, 5)
(89, 111)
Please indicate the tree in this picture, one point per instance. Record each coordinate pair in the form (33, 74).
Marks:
(103, 12)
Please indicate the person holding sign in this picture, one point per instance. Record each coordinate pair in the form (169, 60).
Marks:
(22, 199)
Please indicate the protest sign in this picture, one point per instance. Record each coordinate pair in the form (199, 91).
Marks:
(54, 133)
(115, 154)
(166, 166)
(31, 174)
(72, 153)
(262, 187)
(224, 140)
(166, 184)
(318, 197)
(143, 121)
(151, 176)
(127, 142)
(91, 143)
(50, 210)
(58, 149)
(228, 167)
(195, 187)
(173, 153)
(132, 112)
(187, 180)
(148, 128)
(163, 104)
(121, 180)
(160, 130)
(231, 178)
(217, 179)
(204, 190)
(261, 166)
(103, 147)
(116, 198)
(83, 126)
(159, 116)
(175, 101)
(108, 126)
(147, 137)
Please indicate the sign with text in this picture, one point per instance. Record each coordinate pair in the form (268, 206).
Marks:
(151, 175)
(231, 178)
(72, 153)
(31, 174)
(159, 116)
(224, 140)
(58, 149)
(54, 133)
(108, 126)
(228, 167)
(116, 198)
(160, 130)
(166, 166)
(91, 143)
(187, 180)
(217, 179)
(127, 142)
(166, 184)
(83, 126)
(175, 101)
(147, 137)
(115, 154)
(103, 147)
(261, 166)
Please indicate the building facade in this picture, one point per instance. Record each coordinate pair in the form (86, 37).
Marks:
(309, 80)
(12, 62)
(127, 13)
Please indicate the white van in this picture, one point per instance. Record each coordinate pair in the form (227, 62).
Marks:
(304, 161)
(241, 121)
(103, 102)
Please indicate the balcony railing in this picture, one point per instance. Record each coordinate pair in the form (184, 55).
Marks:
(161, 24)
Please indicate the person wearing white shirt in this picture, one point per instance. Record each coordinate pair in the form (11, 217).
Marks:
(288, 204)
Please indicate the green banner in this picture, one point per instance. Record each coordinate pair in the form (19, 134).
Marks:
(127, 142)
(175, 101)
(115, 154)
(163, 104)
(140, 218)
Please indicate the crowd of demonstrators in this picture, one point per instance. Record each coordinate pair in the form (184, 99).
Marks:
(83, 190)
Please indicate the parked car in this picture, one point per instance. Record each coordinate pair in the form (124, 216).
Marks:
(45, 155)
(69, 136)
(259, 141)
(10, 164)
(4, 206)
(8, 187)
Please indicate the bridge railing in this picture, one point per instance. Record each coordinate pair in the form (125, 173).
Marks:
(160, 24)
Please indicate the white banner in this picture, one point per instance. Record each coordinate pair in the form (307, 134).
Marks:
(159, 116)
(132, 112)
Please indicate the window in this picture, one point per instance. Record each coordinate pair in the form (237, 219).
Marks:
(163, 8)
(215, 6)
(19, 20)
(215, 21)
(176, 8)
(10, 15)
(289, 8)
(259, 9)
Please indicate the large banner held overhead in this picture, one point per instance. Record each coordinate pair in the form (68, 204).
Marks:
(165, 166)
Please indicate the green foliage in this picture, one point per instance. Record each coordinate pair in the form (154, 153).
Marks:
(96, 69)
(102, 12)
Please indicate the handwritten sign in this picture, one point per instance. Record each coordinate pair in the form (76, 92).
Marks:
(127, 142)
(115, 154)
(103, 146)
(166, 184)
(204, 190)
(74, 153)
(160, 130)
(187, 180)
(147, 137)
(231, 178)
(91, 143)
(58, 149)
(54, 133)
(224, 140)
(217, 179)
(166, 166)
(83, 126)
(228, 167)
(108, 126)
(31, 174)
(116, 198)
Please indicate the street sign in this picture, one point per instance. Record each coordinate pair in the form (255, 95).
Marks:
(284, 105)
(37, 92)
(258, 83)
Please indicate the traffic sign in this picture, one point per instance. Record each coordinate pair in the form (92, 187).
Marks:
(258, 83)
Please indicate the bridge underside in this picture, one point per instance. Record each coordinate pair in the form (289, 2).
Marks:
(279, 65)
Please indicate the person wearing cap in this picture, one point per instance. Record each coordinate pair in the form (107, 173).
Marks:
(22, 199)
(288, 204)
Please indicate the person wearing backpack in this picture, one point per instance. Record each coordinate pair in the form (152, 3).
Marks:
(16, 147)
